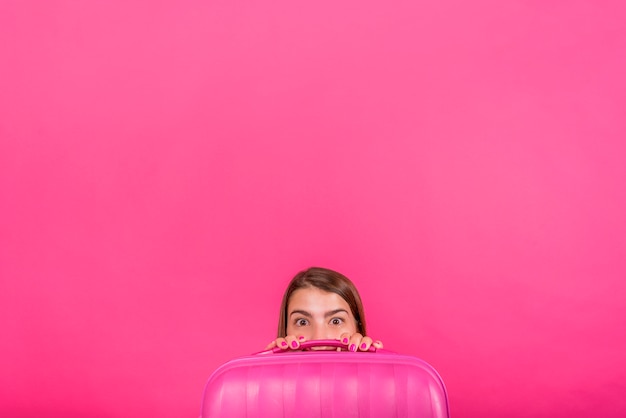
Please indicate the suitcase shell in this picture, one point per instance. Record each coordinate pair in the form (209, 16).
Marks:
(325, 384)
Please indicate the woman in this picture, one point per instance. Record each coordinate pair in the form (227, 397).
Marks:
(321, 304)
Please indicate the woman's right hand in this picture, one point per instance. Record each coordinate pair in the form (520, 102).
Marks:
(290, 342)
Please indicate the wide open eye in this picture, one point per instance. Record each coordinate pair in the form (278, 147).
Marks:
(336, 321)
(301, 322)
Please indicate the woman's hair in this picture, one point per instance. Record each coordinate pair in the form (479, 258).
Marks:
(328, 281)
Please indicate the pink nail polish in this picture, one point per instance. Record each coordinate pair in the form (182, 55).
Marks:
(352, 347)
(301, 338)
(294, 344)
(345, 341)
(363, 346)
(284, 344)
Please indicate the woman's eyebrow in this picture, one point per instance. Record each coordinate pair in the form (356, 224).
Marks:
(301, 312)
(335, 312)
(326, 315)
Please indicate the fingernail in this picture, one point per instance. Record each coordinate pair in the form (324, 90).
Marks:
(284, 344)
(294, 344)
(301, 338)
(345, 341)
(363, 346)
(352, 347)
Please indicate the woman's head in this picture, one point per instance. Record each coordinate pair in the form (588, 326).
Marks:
(322, 303)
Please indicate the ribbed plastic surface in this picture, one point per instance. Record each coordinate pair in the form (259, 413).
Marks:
(325, 384)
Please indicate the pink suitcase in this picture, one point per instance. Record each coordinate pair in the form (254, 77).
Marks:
(325, 384)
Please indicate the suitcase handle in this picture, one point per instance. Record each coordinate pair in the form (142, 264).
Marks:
(307, 345)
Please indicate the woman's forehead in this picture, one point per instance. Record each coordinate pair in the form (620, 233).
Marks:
(314, 299)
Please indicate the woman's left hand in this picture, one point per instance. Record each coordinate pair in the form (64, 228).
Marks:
(358, 342)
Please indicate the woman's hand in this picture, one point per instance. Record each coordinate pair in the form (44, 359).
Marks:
(290, 342)
(354, 342)
(358, 342)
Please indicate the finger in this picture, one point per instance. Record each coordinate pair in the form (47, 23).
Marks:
(292, 342)
(282, 343)
(365, 343)
(345, 338)
(271, 345)
(355, 341)
(378, 344)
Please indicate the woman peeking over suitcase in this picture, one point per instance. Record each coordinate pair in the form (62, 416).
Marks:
(321, 304)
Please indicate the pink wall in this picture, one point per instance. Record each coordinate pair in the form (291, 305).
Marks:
(166, 167)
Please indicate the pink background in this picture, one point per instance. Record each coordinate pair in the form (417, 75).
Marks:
(167, 166)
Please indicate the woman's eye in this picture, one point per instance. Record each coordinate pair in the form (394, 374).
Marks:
(336, 321)
(301, 322)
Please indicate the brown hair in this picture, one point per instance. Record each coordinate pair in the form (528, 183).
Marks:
(328, 281)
